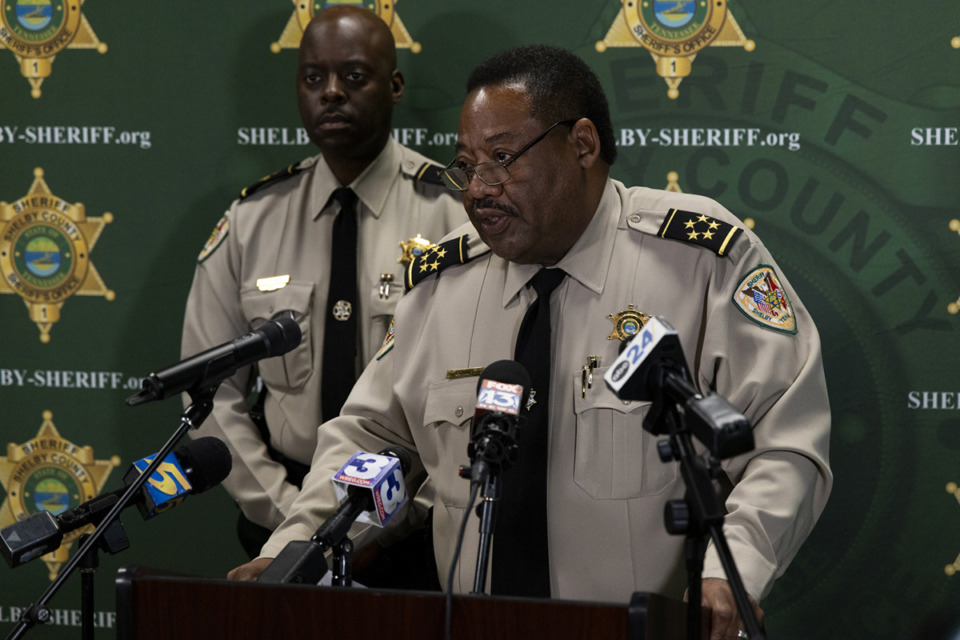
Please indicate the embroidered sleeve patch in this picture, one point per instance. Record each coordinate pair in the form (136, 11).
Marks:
(216, 238)
(696, 228)
(387, 342)
(761, 297)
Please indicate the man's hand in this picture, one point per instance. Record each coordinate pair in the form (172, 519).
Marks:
(725, 622)
(249, 572)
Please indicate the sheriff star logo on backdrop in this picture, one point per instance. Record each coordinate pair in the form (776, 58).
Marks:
(45, 245)
(50, 473)
(954, 307)
(674, 31)
(37, 30)
(953, 567)
(303, 11)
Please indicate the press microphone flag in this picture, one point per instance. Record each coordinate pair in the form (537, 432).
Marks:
(652, 368)
(358, 483)
(379, 477)
(502, 391)
(647, 357)
(211, 367)
(197, 466)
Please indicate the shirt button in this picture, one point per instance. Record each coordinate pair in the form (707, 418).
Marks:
(635, 218)
(459, 412)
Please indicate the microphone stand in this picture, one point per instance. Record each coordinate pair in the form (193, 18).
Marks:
(700, 514)
(492, 451)
(37, 612)
(488, 520)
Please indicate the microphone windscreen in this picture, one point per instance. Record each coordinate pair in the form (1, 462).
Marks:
(401, 454)
(206, 461)
(282, 334)
(507, 372)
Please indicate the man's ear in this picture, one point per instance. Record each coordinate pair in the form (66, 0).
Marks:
(397, 85)
(587, 142)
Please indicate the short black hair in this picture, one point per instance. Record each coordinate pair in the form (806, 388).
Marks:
(559, 83)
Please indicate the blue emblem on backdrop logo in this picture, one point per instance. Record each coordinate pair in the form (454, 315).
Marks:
(34, 15)
(674, 13)
(42, 257)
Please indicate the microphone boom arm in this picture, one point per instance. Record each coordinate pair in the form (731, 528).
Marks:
(38, 612)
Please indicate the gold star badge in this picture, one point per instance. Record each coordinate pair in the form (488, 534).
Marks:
(303, 11)
(627, 324)
(45, 245)
(50, 473)
(673, 31)
(413, 248)
(37, 31)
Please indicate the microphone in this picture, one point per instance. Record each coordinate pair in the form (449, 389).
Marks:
(368, 485)
(371, 489)
(502, 390)
(652, 367)
(209, 368)
(193, 468)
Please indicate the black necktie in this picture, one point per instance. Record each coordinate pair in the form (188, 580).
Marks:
(520, 557)
(340, 336)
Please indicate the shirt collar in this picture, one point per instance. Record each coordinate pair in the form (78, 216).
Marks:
(372, 186)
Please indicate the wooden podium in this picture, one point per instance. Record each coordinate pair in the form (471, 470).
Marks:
(157, 606)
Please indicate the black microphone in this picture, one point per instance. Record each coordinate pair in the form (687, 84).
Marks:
(652, 367)
(208, 368)
(193, 468)
(502, 391)
(304, 561)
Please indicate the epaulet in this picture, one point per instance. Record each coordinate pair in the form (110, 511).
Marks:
(701, 230)
(270, 179)
(430, 173)
(435, 259)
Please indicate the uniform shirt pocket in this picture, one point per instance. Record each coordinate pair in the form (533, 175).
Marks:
(291, 370)
(615, 457)
(447, 420)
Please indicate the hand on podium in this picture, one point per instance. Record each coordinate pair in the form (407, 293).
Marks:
(725, 622)
(249, 572)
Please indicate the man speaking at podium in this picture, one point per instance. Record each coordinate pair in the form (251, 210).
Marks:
(558, 245)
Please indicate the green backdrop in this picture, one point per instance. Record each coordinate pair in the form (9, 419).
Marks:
(831, 128)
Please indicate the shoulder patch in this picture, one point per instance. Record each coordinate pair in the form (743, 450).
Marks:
(217, 236)
(430, 173)
(696, 228)
(387, 341)
(761, 297)
(270, 179)
(435, 259)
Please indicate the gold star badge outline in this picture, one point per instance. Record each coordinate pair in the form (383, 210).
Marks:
(627, 30)
(39, 196)
(304, 11)
(23, 460)
(75, 34)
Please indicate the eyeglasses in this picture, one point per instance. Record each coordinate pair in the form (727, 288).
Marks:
(493, 172)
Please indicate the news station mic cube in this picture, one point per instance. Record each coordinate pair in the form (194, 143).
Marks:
(165, 488)
(382, 476)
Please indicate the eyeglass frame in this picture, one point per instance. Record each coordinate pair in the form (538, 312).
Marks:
(451, 184)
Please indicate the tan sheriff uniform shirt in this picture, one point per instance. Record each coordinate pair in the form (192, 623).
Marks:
(607, 486)
(284, 229)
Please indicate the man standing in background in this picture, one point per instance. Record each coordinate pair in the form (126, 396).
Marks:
(325, 240)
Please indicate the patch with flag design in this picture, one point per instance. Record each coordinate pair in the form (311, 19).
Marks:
(761, 297)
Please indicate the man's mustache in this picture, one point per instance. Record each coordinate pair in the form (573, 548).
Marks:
(491, 204)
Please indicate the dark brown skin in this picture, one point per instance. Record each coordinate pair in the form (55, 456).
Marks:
(347, 86)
